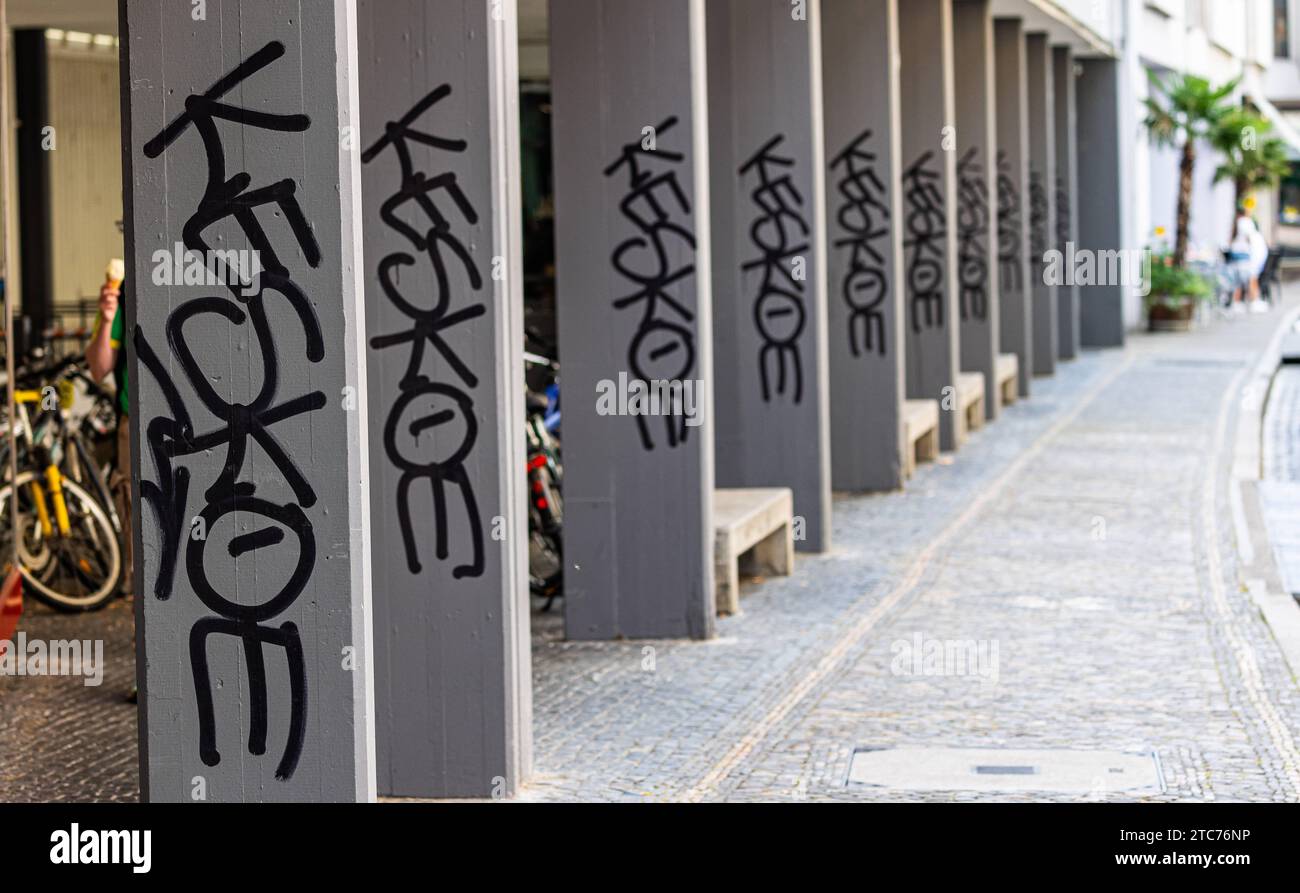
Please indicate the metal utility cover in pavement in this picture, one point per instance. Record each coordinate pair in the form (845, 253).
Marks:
(1098, 772)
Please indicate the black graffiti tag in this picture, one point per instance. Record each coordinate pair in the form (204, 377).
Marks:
(864, 215)
(1010, 228)
(927, 233)
(172, 437)
(972, 237)
(779, 313)
(663, 347)
(1039, 236)
(1063, 221)
(427, 406)
(248, 622)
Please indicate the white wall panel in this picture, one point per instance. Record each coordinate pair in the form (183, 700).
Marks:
(86, 170)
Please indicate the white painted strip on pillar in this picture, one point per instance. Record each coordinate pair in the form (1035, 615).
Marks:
(439, 148)
(865, 242)
(930, 210)
(1015, 299)
(769, 255)
(634, 276)
(248, 400)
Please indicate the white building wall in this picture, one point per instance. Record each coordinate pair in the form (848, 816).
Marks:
(1281, 85)
(1282, 80)
(1259, 35)
(1162, 192)
(1103, 17)
(1212, 208)
(85, 172)
(1136, 198)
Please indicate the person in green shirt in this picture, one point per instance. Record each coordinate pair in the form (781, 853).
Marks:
(105, 355)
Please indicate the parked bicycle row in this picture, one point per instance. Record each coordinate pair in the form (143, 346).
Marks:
(69, 530)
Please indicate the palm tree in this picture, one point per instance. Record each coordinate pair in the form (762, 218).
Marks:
(1185, 109)
(1252, 159)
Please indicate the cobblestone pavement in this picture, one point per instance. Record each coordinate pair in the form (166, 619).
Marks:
(61, 739)
(1085, 534)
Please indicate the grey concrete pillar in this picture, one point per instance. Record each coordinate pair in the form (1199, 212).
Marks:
(633, 264)
(248, 401)
(930, 210)
(865, 234)
(439, 144)
(1042, 197)
(1067, 190)
(977, 266)
(1015, 278)
(1100, 206)
(769, 255)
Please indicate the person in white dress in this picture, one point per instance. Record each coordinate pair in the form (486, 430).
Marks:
(1258, 260)
(1240, 262)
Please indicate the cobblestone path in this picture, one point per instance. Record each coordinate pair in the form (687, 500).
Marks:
(1085, 535)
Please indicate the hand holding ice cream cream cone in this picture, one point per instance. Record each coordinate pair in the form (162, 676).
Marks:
(116, 273)
(112, 290)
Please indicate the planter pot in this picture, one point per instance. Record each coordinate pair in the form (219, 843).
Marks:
(1171, 315)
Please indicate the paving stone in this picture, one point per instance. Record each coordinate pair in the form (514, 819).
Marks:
(61, 740)
(1081, 549)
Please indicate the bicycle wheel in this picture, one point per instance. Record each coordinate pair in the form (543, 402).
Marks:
(545, 544)
(81, 467)
(73, 573)
(34, 552)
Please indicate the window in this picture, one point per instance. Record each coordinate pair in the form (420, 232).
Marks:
(1282, 29)
(1288, 205)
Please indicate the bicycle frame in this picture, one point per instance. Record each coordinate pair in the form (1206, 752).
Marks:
(53, 477)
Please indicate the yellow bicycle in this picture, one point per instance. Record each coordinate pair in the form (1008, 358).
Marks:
(69, 553)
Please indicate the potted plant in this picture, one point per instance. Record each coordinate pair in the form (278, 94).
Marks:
(1175, 292)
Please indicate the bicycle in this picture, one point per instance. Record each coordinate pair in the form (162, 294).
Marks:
(69, 544)
(545, 505)
(60, 428)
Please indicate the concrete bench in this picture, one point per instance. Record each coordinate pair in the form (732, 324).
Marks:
(970, 399)
(753, 529)
(921, 428)
(1008, 371)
